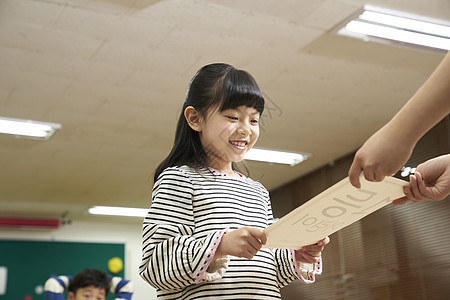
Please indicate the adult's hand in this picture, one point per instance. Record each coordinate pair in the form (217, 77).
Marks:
(381, 155)
(430, 182)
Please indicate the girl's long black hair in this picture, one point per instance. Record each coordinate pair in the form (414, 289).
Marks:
(214, 85)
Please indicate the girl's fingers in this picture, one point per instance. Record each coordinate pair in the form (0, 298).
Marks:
(263, 238)
(259, 234)
(313, 253)
(308, 257)
(250, 253)
(324, 241)
(317, 246)
(254, 244)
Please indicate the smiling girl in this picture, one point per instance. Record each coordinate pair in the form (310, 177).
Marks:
(203, 235)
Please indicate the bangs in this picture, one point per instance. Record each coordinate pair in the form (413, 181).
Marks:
(239, 88)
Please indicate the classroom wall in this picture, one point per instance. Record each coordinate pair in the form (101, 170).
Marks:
(97, 232)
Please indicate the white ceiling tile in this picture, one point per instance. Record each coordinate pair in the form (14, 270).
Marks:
(81, 70)
(15, 58)
(293, 11)
(110, 7)
(41, 14)
(329, 13)
(47, 41)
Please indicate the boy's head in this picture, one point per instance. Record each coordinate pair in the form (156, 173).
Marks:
(89, 284)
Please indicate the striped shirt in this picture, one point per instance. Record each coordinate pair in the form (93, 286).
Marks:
(190, 211)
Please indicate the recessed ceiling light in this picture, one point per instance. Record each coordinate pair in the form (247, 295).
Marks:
(28, 128)
(279, 157)
(118, 211)
(382, 25)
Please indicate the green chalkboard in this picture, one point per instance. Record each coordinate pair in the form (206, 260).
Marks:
(30, 263)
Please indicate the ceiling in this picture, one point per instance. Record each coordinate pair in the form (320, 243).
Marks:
(114, 73)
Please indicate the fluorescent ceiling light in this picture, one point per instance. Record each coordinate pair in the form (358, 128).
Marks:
(278, 157)
(118, 211)
(28, 128)
(406, 23)
(383, 25)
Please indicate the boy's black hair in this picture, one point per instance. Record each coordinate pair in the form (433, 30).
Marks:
(89, 277)
(215, 85)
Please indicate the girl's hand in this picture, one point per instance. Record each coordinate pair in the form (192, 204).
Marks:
(243, 242)
(311, 254)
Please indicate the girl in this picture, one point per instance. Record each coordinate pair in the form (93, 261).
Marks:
(203, 234)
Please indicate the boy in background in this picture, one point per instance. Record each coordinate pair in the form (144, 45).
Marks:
(88, 284)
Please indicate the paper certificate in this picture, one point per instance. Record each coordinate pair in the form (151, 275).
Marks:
(333, 209)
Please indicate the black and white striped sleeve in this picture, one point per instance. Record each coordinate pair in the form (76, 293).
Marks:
(171, 257)
(288, 269)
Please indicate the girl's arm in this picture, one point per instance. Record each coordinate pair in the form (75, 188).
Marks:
(290, 269)
(171, 257)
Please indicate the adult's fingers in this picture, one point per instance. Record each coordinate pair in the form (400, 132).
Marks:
(415, 194)
(401, 201)
(378, 176)
(373, 175)
(354, 173)
(421, 187)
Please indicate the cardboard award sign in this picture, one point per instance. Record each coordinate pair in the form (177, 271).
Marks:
(335, 208)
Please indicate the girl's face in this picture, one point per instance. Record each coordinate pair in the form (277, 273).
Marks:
(227, 135)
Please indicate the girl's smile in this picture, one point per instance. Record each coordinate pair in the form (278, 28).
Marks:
(239, 144)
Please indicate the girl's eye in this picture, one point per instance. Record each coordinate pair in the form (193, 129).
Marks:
(232, 118)
(254, 121)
